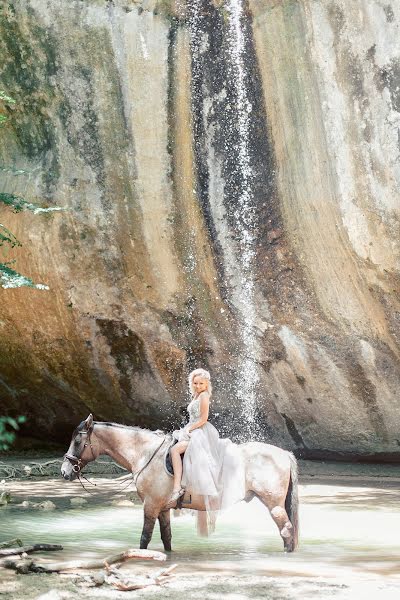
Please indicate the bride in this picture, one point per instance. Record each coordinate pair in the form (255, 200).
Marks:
(212, 467)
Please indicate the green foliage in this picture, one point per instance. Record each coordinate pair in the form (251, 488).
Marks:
(8, 427)
(15, 202)
(18, 204)
(6, 237)
(6, 99)
(12, 279)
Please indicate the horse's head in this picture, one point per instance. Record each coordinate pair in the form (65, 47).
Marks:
(80, 451)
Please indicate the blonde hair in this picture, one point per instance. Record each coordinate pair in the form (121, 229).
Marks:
(199, 373)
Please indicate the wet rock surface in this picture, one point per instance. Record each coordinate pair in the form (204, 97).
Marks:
(128, 116)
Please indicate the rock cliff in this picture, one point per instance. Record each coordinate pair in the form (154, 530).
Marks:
(150, 120)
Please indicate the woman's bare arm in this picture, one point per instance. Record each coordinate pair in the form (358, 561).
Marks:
(204, 409)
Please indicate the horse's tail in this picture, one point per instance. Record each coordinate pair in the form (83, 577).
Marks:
(292, 500)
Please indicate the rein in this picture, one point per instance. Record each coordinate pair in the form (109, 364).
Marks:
(135, 475)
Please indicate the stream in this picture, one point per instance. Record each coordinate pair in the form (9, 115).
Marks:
(348, 538)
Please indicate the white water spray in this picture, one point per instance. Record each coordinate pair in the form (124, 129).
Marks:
(245, 215)
(239, 259)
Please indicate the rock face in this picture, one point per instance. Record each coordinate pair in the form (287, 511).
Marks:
(150, 121)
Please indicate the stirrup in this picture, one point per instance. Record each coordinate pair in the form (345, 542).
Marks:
(174, 497)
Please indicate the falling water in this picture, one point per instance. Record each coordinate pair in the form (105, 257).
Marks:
(245, 215)
(242, 285)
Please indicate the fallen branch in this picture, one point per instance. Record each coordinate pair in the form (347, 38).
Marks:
(18, 564)
(7, 471)
(30, 549)
(109, 575)
(128, 587)
(137, 584)
(60, 567)
(165, 572)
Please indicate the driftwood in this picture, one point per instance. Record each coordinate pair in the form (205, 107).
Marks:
(18, 563)
(109, 575)
(128, 584)
(7, 471)
(30, 549)
(74, 565)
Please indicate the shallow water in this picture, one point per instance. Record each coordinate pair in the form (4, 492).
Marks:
(348, 532)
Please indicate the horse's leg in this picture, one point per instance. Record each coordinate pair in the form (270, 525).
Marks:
(150, 516)
(276, 506)
(281, 518)
(165, 529)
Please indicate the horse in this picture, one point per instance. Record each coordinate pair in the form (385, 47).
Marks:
(270, 474)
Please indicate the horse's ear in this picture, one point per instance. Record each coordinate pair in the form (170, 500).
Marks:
(89, 422)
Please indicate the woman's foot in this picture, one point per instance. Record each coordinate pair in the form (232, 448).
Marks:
(172, 500)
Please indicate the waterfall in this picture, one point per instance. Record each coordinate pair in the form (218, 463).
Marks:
(239, 258)
(245, 216)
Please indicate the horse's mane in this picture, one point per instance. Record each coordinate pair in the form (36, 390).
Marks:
(82, 425)
(129, 427)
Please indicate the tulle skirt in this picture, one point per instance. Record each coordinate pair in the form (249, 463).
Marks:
(213, 468)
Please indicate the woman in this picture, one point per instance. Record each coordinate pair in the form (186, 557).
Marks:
(212, 466)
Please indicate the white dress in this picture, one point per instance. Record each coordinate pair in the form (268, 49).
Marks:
(212, 467)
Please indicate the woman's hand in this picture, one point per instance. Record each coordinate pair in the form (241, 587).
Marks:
(185, 434)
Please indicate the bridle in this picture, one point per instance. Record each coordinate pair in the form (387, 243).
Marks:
(77, 462)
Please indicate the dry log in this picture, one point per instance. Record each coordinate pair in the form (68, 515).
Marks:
(40, 567)
(10, 563)
(18, 564)
(30, 549)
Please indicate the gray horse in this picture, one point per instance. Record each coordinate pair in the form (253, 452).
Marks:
(271, 474)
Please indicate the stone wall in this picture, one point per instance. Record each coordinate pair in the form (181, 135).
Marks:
(118, 120)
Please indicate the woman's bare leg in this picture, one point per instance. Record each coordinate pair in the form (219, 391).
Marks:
(176, 452)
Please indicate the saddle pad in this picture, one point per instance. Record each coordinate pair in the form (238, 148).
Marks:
(167, 459)
(168, 463)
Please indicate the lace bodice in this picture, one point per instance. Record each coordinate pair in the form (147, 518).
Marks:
(194, 409)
